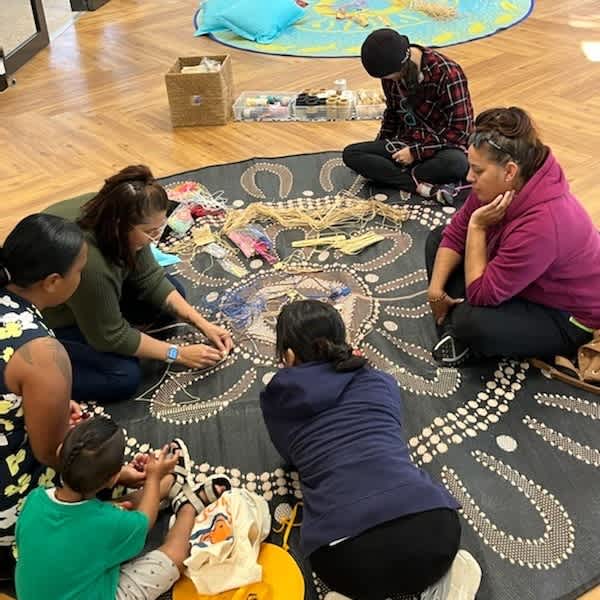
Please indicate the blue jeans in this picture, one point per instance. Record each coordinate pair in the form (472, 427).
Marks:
(105, 376)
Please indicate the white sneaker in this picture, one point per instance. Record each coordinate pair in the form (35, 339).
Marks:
(461, 582)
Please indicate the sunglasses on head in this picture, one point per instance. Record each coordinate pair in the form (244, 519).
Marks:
(479, 138)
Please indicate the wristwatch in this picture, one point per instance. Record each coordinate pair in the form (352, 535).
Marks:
(172, 355)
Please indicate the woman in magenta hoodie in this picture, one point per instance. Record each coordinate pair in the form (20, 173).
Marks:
(374, 524)
(517, 271)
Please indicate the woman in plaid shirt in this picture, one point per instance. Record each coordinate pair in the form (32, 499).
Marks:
(421, 146)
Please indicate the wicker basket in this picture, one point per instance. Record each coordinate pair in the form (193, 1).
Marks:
(200, 98)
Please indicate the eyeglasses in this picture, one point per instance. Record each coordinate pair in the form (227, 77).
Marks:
(154, 234)
(478, 138)
(496, 145)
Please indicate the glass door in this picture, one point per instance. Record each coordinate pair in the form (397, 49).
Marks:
(23, 32)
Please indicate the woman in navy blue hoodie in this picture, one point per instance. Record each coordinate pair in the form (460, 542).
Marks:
(374, 524)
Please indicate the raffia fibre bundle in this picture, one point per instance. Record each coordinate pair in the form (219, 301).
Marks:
(345, 209)
(440, 12)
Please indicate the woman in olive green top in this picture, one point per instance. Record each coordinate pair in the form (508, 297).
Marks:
(122, 284)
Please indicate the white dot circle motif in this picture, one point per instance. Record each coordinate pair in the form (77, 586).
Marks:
(380, 197)
(267, 377)
(323, 256)
(212, 296)
(507, 443)
(256, 263)
(237, 203)
(283, 512)
(371, 278)
(308, 193)
(390, 325)
(449, 210)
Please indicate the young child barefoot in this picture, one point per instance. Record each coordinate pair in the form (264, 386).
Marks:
(72, 545)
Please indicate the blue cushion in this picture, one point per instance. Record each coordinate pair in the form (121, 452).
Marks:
(207, 19)
(261, 22)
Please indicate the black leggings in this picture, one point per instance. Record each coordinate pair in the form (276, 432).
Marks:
(374, 161)
(516, 328)
(403, 556)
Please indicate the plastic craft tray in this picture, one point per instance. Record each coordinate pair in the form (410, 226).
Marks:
(324, 112)
(255, 106)
(369, 112)
(369, 109)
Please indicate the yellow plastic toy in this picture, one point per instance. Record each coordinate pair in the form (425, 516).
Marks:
(282, 580)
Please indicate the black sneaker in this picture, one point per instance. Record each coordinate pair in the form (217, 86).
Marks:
(450, 352)
(444, 194)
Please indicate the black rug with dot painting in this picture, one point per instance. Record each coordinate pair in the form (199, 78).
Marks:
(518, 451)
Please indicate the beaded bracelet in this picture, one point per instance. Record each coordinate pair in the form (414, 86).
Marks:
(438, 299)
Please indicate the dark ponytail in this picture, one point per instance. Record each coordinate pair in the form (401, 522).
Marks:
(91, 454)
(340, 355)
(125, 200)
(38, 246)
(315, 332)
(510, 134)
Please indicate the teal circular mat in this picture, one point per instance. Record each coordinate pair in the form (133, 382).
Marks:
(320, 34)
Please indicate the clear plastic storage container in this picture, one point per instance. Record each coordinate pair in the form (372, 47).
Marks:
(264, 106)
(369, 104)
(323, 105)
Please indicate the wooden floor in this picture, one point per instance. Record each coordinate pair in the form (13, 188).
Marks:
(95, 100)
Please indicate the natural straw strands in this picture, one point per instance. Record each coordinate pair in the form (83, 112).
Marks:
(343, 210)
(440, 12)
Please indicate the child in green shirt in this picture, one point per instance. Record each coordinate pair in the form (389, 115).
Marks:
(72, 545)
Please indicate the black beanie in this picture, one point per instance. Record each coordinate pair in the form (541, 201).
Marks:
(384, 52)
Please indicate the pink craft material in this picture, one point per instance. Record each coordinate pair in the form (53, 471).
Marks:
(244, 242)
(263, 250)
(199, 211)
(181, 220)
